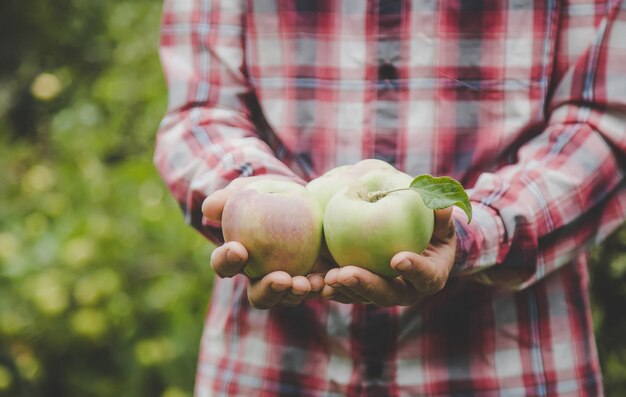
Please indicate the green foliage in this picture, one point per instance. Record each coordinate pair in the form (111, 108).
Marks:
(442, 192)
(608, 292)
(103, 289)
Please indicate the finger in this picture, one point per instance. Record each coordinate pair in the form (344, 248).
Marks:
(419, 271)
(332, 280)
(373, 288)
(330, 293)
(317, 282)
(341, 298)
(300, 285)
(300, 289)
(331, 276)
(351, 295)
(268, 291)
(444, 226)
(229, 259)
(335, 286)
(213, 205)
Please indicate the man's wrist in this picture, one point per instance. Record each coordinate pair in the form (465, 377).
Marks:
(478, 242)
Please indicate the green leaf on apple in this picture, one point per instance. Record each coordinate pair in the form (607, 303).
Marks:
(442, 192)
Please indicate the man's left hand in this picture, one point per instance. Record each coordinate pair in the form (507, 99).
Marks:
(420, 275)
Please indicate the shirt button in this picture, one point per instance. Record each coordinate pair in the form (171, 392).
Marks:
(386, 71)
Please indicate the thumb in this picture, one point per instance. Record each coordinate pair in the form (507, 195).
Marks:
(213, 205)
(421, 272)
(444, 227)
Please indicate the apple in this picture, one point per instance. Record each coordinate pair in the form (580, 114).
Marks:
(367, 223)
(279, 223)
(326, 185)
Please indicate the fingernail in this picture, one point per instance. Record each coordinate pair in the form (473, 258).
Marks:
(404, 265)
(232, 256)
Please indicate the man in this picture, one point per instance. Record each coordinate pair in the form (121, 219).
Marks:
(522, 101)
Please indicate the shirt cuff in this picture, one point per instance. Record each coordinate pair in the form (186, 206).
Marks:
(479, 242)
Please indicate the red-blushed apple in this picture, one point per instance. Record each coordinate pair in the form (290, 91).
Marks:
(279, 223)
(368, 222)
(329, 183)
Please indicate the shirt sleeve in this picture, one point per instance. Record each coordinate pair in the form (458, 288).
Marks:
(566, 191)
(208, 136)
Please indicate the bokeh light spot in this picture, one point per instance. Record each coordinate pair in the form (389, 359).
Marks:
(78, 251)
(38, 179)
(9, 245)
(28, 365)
(49, 294)
(46, 86)
(91, 323)
(154, 351)
(174, 392)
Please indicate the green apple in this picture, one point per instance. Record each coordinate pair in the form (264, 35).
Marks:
(326, 185)
(279, 223)
(368, 222)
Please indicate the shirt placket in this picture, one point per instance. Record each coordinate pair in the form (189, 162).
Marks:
(388, 83)
(375, 329)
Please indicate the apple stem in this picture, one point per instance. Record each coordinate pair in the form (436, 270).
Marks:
(373, 197)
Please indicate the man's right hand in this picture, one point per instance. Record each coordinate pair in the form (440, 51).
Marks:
(230, 258)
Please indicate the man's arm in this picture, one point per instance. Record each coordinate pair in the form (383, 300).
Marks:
(207, 138)
(566, 192)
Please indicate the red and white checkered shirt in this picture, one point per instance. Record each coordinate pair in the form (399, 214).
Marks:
(522, 101)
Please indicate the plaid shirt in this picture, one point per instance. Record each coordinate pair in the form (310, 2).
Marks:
(522, 101)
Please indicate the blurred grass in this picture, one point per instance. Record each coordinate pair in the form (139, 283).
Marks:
(103, 289)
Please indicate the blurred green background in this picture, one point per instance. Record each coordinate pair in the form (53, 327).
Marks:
(103, 289)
